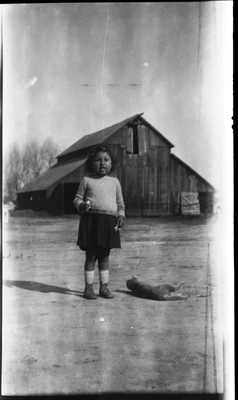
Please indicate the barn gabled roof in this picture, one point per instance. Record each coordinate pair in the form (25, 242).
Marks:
(52, 176)
(101, 136)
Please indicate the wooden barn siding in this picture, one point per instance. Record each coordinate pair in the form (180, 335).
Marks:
(145, 176)
(146, 138)
(156, 181)
(202, 187)
(143, 139)
(155, 140)
(183, 180)
(180, 178)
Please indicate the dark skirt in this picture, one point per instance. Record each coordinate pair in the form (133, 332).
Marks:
(98, 230)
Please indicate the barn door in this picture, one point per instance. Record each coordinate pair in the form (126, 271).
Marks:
(132, 191)
(190, 203)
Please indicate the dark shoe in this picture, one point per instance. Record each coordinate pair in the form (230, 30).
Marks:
(89, 293)
(105, 292)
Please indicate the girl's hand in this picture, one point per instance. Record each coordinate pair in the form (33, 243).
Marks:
(120, 222)
(84, 206)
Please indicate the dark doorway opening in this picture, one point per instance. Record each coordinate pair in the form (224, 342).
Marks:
(70, 190)
(206, 201)
(132, 139)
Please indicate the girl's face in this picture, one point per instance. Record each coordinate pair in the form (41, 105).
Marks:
(102, 163)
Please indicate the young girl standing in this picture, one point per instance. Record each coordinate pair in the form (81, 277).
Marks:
(99, 200)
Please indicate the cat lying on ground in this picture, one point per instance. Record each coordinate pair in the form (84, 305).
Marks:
(160, 292)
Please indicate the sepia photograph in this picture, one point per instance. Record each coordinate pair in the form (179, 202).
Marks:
(117, 200)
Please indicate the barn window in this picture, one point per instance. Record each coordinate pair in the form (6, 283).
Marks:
(132, 145)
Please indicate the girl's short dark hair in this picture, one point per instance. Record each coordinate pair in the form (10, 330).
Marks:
(95, 150)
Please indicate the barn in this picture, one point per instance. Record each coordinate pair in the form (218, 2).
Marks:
(154, 181)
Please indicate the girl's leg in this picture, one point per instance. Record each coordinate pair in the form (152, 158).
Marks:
(103, 265)
(89, 266)
(103, 259)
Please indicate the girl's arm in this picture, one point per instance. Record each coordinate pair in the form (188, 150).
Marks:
(120, 205)
(79, 198)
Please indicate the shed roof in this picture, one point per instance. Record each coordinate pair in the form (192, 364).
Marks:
(52, 176)
(101, 136)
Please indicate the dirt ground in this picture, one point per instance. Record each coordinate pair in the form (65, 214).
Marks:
(57, 342)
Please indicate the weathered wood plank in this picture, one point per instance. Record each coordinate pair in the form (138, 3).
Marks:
(190, 203)
(143, 139)
(155, 140)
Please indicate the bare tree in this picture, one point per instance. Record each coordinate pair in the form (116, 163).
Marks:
(13, 173)
(49, 150)
(23, 166)
(33, 162)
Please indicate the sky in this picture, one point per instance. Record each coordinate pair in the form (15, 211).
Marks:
(71, 69)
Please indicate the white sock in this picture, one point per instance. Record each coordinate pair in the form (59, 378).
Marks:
(103, 276)
(89, 277)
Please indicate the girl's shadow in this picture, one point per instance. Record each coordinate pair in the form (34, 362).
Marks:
(40, 287)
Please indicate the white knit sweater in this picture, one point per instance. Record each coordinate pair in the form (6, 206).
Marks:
(104, 194)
